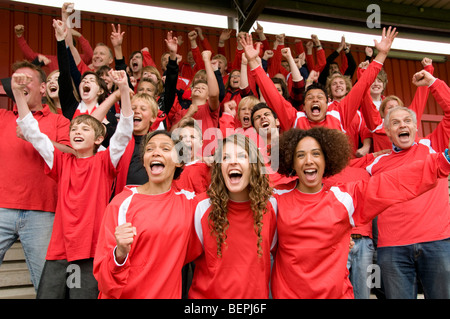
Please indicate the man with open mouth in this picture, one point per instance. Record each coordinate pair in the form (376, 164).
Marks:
(413, 237)
(316, 111)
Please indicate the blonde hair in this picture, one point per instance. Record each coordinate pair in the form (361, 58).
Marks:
(347, 80)
(388, 99)
(251, 99)
(149, 100)
(160, 84)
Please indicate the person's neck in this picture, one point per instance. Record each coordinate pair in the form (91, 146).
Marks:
(57, 103)
(137, 75)
(84, 153)
(90, 104)
(376, 97)
(242, 196)
(155, 189)
(199, 101)
(35, 108)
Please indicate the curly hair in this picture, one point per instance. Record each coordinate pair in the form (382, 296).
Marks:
(335, 146)
(330, 79)
(259, 192)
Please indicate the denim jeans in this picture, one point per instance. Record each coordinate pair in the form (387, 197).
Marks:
(34, 229)
(359, 260)
(428, 262)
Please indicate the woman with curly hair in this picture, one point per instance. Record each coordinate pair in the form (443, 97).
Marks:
(315, 219)
(235, 223)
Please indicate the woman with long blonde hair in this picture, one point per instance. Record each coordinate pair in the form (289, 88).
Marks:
(235, 225)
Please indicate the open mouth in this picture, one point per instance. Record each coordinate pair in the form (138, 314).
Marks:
(403, 136)
(310, 174)
(156, 167)
(246, 121)
(315, 109)
(235, 176)
(137, 120)
(86, 89)
(53, 89)
(265, 124)
(78, 139)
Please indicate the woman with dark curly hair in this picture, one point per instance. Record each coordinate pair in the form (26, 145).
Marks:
(235, 222)
(314, 219)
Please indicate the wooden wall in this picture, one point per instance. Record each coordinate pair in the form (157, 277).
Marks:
(96, 28)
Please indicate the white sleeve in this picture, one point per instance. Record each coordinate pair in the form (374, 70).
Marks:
(41, 142)
(121, 138)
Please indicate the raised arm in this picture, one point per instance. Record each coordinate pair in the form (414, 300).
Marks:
(441, 92)
(27, 123)
(116, 41)
(124, 130)
(170, 85)
(213, 86)
(27, 51)
(422, 93)
(285, 111)
(68, 101)
(351, 102)
(66, 7)
(295, 72)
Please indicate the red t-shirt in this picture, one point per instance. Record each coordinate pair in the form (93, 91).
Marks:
(196, 177)
(84, 190)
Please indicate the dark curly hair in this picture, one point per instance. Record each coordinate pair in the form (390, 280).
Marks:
(335, 146)
(259, 191)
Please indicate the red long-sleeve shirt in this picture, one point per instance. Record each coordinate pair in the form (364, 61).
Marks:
(313, 238)
(240, 272)
(339, 114)
(425, 218)
(152, 269)
(375, 123)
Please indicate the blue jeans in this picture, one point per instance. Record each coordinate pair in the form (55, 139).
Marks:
(429, 262)
(360, 258)
(34, 228)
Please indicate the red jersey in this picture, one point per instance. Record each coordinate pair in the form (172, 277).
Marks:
(208, 121)
(428, 214)
(375, 123)
(240, 272)
(313, 238)
(195, 177)
(339, 114)
(152, 269)
(23, 183)
(351, 174)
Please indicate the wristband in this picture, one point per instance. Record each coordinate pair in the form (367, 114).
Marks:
(446, 155)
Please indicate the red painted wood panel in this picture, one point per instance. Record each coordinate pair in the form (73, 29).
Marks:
(145, 33)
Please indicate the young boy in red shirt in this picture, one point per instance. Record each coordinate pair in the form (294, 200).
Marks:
(85, 180)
